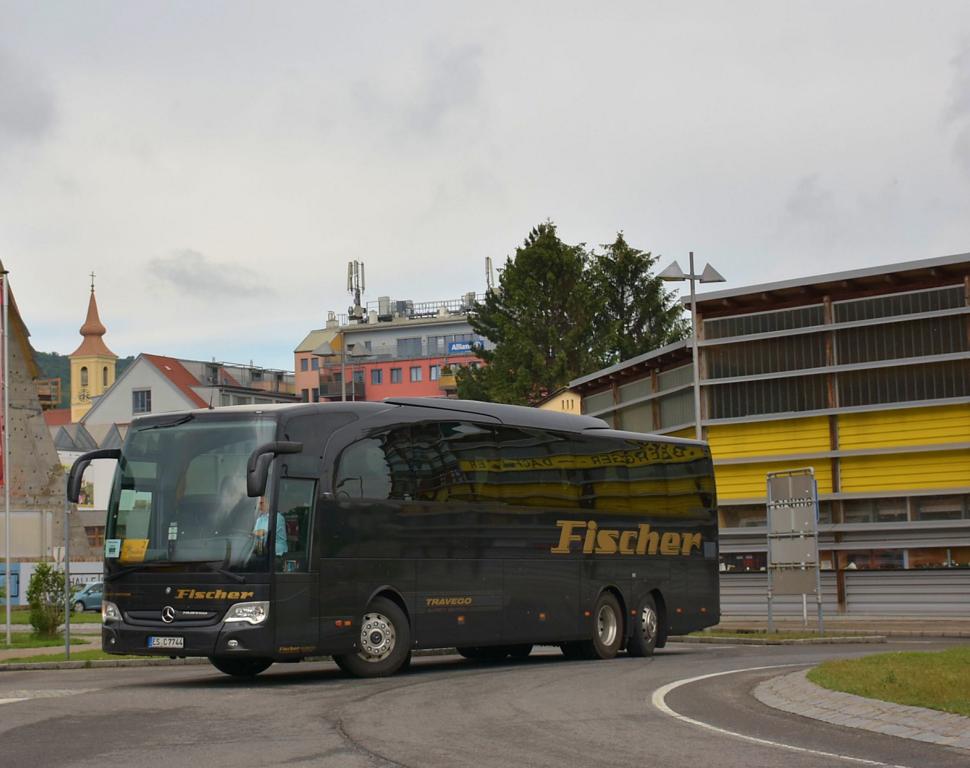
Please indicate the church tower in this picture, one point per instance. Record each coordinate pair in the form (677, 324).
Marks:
(92, 363)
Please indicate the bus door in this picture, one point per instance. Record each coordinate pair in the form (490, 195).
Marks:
(296, 598)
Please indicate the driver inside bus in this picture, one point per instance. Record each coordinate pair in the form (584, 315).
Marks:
(261, 529)
(252, 515)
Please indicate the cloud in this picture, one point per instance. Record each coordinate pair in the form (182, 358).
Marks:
(26, 103)
(813, 217)
(959, 107)
(450, 80)
(809, 200)
(454, 81)
(957, 112)
(192, 273)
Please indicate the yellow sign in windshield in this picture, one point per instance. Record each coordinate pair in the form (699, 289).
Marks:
(133, 550)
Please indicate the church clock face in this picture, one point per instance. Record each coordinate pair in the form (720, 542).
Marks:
(83, 395)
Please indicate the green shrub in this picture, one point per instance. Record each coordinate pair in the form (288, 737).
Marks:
(45, 595)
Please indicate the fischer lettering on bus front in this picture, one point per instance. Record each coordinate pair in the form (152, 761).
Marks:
(611, 541)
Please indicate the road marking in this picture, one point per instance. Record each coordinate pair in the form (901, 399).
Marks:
(659, 701)
(11, 697)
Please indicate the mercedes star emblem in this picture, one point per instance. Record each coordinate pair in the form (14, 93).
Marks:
(168, 614)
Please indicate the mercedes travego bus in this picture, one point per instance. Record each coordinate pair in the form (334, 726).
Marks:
(260, 534)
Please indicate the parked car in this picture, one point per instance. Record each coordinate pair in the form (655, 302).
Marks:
(89, 598)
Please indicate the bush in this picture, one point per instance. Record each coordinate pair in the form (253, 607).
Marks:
(45, 595)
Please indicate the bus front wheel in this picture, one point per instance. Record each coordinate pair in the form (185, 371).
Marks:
(385, 641)
(240, 667)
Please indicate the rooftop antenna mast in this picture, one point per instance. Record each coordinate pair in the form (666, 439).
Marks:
(489, 275)
(356, 286)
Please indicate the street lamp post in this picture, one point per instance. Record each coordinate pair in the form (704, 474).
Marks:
(674, 273)
(347, 350)
(326, 350)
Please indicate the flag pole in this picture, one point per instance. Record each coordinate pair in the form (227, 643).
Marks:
(6, 452)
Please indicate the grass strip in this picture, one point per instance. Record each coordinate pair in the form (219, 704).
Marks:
(30, 640)
(79, 656)
(935, 680)
(22, 616)
(780, 634)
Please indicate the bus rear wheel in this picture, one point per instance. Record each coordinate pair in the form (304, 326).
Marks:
(647, 629)
(240, 667)
(607, 630)
(385, 641)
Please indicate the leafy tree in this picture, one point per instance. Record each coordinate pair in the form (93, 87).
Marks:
(45, 595)
(540, 320)
(637, 313)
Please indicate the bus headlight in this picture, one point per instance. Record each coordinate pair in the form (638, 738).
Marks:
(109, 612)
(251, 613)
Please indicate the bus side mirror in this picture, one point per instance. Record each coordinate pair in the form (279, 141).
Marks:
(77, 470)
(257, 468)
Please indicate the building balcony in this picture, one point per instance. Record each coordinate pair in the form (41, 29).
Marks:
(331, 390)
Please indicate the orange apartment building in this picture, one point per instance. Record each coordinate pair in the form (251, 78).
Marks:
(391, 349)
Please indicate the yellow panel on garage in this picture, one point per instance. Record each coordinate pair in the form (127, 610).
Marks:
(770, 438)
(899, 472)
(906, 426)
(745, 481)
(688, 433)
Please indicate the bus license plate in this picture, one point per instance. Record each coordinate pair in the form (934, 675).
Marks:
(166, 642)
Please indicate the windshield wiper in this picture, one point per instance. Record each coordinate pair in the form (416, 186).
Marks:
(222, 570)
(170, 563)
(131, 569)
(182, 420)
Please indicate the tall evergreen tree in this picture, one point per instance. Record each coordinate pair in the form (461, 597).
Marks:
(541, 321)
(637, 313)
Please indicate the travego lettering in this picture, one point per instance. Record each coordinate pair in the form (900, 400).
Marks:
(447, 602)
(212, 594)
(611, 541)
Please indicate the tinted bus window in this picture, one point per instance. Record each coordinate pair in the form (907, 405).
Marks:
(438, 455)
(375, 468)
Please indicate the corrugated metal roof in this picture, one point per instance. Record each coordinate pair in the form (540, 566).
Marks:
(834, 277)
(644, 358)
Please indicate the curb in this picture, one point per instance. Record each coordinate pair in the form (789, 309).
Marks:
(824, 640)
(100, 663)
(162, 662)
(942, 633)
(796, 694)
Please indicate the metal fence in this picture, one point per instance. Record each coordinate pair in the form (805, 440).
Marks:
(929, 592)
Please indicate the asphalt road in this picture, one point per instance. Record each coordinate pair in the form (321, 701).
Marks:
(446, 711)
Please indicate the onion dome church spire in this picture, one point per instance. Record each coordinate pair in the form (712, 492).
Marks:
(92, 330)
(92, 363)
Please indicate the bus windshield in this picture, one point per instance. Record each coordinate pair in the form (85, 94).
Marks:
(179, 495)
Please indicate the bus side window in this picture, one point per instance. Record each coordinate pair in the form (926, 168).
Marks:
(374, 468)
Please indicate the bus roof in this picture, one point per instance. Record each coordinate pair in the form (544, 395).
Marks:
(519, 415)
(515, 415)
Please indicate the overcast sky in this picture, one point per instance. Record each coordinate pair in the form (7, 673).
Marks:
(217, 164)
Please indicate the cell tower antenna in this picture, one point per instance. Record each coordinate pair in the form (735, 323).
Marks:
(355, 286)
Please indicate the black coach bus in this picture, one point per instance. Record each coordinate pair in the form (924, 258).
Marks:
(260, 534)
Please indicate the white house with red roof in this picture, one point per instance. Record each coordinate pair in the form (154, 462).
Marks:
(158, 384)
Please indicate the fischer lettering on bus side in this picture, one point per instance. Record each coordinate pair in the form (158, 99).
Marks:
(611, 541)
